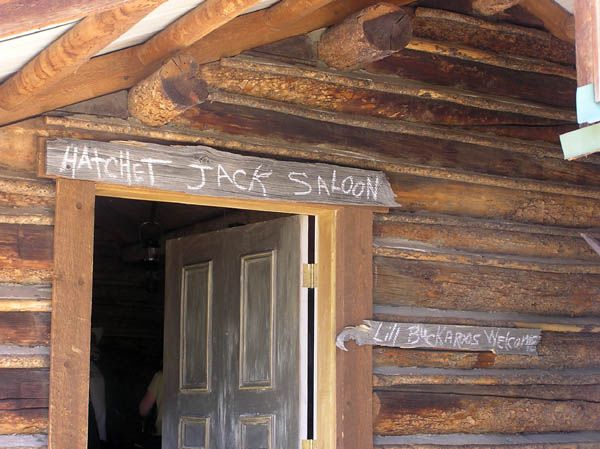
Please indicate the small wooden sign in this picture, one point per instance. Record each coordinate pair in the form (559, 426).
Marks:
(499, 340)
(205, 171)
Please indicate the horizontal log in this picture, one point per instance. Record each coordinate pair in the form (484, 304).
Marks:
(23, 418)
(392, 377)
(478, 77)
(406, 249)
(275, 147)
(450, 286)
(18, 145)
(519, 320)
(13, 356)
(481, 201)
(499, 37)
(24, 383)
(588, 393)
(35, 441)
(492, 7)
(31, 328)
(552, 440)
(396, 413)
(486, 236)
(400, 144)
(27, 215)
(359, 94)
(556, 351)
(26, 246)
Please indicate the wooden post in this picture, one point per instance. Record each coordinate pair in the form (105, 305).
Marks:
(369, 35)
(71, 314)
(354, 290)
(168, 92)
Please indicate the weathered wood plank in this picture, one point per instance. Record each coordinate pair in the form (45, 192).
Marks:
(569, 440)
(214, 173)
(12, 356)
(482, 236)
(25, 246)
(25, 328)
(450, 287)
(390, 141)
(35, 441)
(24, 383)
(18, 17)
(23, 416)
(588, 393)
(71, 314)
(556, 351)
(408, 413)
(441, 337)
(457, 198)
(391, 376)
(359, 94)
(479, 77)
(501, 38)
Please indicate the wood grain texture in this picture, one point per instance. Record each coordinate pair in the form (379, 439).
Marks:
(450, 287)
(492, 7)
(359, 94)
(167, 93)
(19, 17)
(121, 69)
(398, 413)
(557, 351)
(193, 26)
(354, 303)
(71, 315)
(201, 170)
(24, 383)
(28, 416)
(502, 38)
(486, 236)
(555, 18)
(65, 55)
(369, 35)
(21, 328)
(13, 356)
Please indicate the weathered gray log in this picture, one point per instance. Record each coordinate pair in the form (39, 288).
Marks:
(499, 340)
(202, 170)
(168, 92)
(369, 35)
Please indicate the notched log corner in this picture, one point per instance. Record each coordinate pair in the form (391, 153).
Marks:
(168, 92)
(367, 36)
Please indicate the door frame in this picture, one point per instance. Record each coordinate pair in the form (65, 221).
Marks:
(343, 380)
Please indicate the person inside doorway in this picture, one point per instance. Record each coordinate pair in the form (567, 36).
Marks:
(154, 395)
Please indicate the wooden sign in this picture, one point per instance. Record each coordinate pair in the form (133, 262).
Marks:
(205, 171)
(499, 340)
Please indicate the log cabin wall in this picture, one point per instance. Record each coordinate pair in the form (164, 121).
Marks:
(465, 122)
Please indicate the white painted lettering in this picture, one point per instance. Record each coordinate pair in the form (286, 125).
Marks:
(292, 177)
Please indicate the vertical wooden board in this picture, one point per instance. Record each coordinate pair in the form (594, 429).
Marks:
(71, 315)
(354, 243)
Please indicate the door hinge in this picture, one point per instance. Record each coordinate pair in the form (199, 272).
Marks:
(309, 275)
(309, 444)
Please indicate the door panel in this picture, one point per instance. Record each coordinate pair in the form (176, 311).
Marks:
(232, 338)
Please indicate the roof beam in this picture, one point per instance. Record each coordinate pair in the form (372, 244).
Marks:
(77, 46)
(18, 16)
(122, 69)
(556, 19)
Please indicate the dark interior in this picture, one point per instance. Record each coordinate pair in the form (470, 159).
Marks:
(128, 297)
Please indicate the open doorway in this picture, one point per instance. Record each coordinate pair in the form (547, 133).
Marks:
(128, 312)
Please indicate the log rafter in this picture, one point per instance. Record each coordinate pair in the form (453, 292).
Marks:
(71, 50)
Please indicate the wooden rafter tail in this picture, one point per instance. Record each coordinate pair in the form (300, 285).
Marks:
(556, 19)
(367, 36)
(65, 55)
(172, 89)
(492, 7)
(168, 92)
(202, 20)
